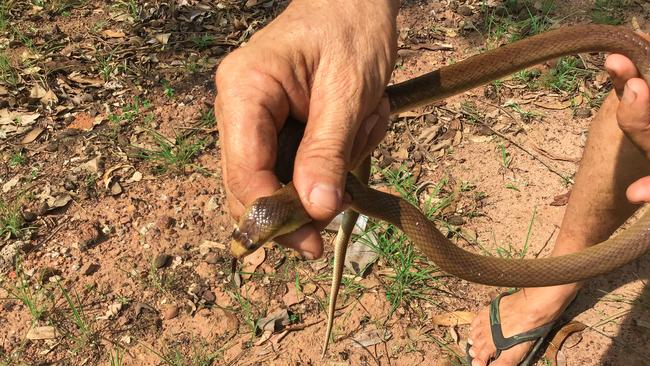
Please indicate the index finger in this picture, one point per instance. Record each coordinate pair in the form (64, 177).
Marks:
(250, 108)
(247, 107)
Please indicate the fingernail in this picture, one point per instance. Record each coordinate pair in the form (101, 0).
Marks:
(325, 196)
(370, 123)
(471, 352)
(469, 341)
(628, 95)
(308, 255)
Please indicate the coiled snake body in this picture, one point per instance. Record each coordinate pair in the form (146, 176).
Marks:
(282, 212)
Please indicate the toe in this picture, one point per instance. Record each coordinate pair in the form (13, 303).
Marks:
(513, 356)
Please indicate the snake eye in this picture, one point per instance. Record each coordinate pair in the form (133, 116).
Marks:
(243, 239)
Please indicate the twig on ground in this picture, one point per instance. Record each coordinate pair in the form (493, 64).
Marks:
(54, 231)
(515, 143)
(555, 227)
(294, 328)
(367, 350)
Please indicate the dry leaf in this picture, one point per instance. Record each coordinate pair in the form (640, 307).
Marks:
(359, 254)
(49, 98)
(318, 265)
(402, 153)
(113, 310)
(32, 135)
(309, 288)
(409, 114)
(371, 338)
(136, 177)
(292, 296)
(37, 92)
(561, 199)
(162, 38)
(10, 184)
(275, 321)
(59, 201)
(40, 333)
(359, 226)
(92, 165)
(413, 333)
(453, 318)
(78, 78)
(108, 179)
(31, 70)
(206, 245)
(454, 334)
(115, 188)
(82, 121)
(109, 33)
(252, 261)
(16, 118)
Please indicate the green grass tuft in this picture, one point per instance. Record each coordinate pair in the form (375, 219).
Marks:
(412, 280)
(609, 11)
(8, 75)
(203, 42)
(515, 20)
(566, 75)
(11, 220)
(172, 155)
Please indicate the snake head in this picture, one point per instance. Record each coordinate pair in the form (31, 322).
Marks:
(267, 218)
(241, 245)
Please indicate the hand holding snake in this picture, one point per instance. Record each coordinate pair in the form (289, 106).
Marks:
(284, 212)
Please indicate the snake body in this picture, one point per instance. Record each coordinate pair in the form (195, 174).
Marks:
(282, 212)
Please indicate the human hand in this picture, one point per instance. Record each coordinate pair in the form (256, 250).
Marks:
(633, 114)
(324, 62)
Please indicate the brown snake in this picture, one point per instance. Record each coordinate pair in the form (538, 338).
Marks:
(282, 212)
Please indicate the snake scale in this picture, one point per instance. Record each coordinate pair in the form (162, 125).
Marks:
(281, 213)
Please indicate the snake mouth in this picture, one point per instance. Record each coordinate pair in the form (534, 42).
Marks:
(241, 244)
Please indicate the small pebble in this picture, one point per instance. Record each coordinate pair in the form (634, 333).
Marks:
(431, 118)
(583, 112)
(165, 222)
(170, 311)
(456, 220)
(69, 185)
(212, 258)
(29, 216)
(90, 269)
(465, 10)
(209, 296)
(162, 260)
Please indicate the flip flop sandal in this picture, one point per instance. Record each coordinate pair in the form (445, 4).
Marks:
(538, 335)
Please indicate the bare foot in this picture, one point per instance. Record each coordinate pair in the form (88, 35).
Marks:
(520, 312)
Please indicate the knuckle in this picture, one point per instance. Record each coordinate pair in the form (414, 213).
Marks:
(332, 149)
(236, 184)
(229, 68)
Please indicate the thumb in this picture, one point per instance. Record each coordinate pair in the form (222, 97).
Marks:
(639, 191)
(323, 160)
(633, 113)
